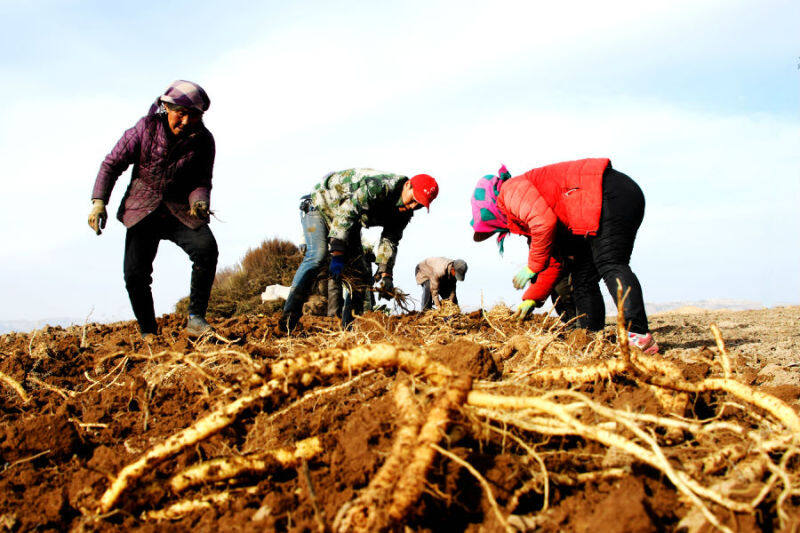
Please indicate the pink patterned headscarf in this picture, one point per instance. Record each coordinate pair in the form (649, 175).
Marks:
(184, 93)
(486, 216)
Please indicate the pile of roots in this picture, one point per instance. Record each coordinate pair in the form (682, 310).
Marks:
(440, 420)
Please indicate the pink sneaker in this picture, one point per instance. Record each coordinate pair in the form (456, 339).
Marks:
(644, 341)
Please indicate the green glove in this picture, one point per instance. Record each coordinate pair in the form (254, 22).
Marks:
(524, 309)
(200, 210)
(523, 277)
(98, 216)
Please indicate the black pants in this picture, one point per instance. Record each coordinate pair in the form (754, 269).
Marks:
(561, 296)
(141, 245)
(607, 255)
(447, 290)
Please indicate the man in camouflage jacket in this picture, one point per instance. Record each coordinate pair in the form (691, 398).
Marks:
(332, 218)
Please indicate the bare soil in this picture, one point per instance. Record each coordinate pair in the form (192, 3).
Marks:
(100, 398)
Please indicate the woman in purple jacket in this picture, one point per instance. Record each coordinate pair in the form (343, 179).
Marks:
(172, 154)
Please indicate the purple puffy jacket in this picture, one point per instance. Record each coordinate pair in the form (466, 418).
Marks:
(173, 170)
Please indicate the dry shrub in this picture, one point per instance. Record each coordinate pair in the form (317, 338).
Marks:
(237, 289)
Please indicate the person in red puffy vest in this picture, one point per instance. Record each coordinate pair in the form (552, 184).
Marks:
(584, 209)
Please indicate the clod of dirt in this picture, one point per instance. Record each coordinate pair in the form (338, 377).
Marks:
(466, 357)
(579, 338)
(611, 507)
(53, 434)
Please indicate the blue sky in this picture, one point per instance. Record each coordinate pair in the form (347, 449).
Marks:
(697, 101)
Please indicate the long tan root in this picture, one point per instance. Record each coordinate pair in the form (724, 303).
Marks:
(301, 371)
(410, 486)
(769, 403)
(578, 375)
(229, 467)
(184, 507)
(586, 477)
(14, 384)
(202, 429)
(719, 465)
(651, 456)
(367, 512)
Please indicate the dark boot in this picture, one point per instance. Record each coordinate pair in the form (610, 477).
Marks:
(196, 326)
(287, 323)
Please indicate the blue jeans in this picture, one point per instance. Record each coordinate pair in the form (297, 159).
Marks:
(316, 234)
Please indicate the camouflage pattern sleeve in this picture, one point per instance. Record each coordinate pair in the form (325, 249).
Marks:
(386, 252)
(348, 212)
(343, 219)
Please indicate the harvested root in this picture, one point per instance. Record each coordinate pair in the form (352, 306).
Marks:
(367, 512)
(202, 429)
(299, 371)
(653, 456)
(184, 507)
(578, 375)
(580, 478)
(229, 467)
(769, 403)
(14, 384)
(723, 354)
(410, 486)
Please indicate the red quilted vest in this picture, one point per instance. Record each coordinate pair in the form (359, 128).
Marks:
(569, 192)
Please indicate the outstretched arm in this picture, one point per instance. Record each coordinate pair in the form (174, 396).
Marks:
(120, 158)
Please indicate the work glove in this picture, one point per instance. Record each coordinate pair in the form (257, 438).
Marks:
(523, 277)
(199, 209)
(98, 216)
(524, 309)
(386, 286)
(336, 267)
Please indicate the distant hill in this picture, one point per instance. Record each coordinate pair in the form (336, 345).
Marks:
(703, 305)
(7, 326)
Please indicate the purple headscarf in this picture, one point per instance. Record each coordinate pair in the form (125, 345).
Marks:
(486, 216)
(183, 93)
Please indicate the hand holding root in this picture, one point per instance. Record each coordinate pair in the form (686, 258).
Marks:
(200, 210)
(386, 287)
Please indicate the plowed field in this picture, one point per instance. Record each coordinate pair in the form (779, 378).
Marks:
(436, 422)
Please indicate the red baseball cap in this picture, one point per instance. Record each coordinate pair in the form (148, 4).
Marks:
(425, 189)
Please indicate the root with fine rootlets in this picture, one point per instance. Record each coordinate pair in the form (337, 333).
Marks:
(299, 372)
(230, 467)
(730, 462)
(368, 511)
(410, 486)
